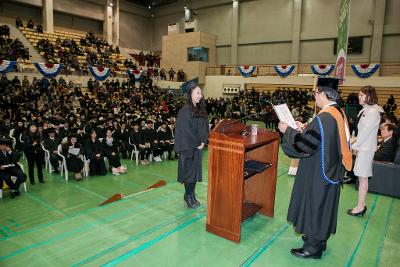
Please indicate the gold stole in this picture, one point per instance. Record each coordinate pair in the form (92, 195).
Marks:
(341, 122)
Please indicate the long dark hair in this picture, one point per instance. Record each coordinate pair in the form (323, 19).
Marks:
(198, 110)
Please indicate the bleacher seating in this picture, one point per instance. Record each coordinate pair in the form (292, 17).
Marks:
(34, 37)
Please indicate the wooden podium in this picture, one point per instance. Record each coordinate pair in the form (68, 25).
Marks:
(231, 197)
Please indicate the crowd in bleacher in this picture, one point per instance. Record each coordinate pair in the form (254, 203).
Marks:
(11, 49)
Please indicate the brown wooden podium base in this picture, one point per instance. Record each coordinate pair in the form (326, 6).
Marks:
(235, 237)
(249, 209)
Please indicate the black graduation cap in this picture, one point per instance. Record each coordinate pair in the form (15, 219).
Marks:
(328, 82)
(5, 141)
(189, 84)
(51, 130)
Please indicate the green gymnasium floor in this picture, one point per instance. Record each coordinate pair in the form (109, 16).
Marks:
(59, 224)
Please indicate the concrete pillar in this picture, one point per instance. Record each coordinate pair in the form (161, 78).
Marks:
(377, 31)
(235, 32)
(116, 23)
(296, 29)
(107, 25)
(47, 14)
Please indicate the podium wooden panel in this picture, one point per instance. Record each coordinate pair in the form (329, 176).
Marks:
(231, 198)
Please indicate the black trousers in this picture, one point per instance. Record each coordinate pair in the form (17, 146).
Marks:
(156, 149)
(35, 159)
(6, 177)
(167, 147)
(144, 153)
(313, 245)
(97, 166)
(124, 149)
(54, 159)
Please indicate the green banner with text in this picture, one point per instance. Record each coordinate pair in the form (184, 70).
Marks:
(343, 34)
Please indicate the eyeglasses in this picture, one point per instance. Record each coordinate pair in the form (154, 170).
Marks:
(315, 93)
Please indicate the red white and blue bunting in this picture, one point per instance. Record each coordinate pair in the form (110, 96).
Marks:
(6, 65)
(99, 73)
(365, 70)
(284, 70)
(48, 70)
(322, 70)
(136, 73)
(246, 71)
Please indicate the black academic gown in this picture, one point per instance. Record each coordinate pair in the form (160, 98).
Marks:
(314, 202)
(96, 164)
(190, 132)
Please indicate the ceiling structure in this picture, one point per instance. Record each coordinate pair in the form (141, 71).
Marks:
(152, 4)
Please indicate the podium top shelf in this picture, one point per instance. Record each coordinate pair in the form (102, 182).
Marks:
(230, 130)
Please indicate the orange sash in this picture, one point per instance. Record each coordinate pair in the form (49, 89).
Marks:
(343, 125)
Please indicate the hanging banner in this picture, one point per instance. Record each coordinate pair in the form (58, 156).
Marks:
(246, 71)
(6, 65)
(99, 73)
(136, 73)
(322, 70)
(343, 34)
(48, 70)
(365, 70)
(284, 70)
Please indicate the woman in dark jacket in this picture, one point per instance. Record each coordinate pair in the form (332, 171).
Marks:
(74, 158)
(191, 136)
(34, 153)
(94, 152)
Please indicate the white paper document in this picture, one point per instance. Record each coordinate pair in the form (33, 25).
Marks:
(74, 151)
(284, 115)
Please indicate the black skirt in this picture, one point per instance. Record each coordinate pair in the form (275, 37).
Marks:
(189, 166)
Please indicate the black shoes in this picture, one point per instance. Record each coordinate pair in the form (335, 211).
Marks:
(301, 253)
(197, 203)
(14, 194)
(42, 182)
(360, 213)
(191, 201)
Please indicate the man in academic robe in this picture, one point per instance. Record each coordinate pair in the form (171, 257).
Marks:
(323, 149)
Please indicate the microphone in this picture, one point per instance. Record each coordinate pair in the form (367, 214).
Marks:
(244, 132)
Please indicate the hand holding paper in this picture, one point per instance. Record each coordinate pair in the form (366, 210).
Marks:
(284, 115)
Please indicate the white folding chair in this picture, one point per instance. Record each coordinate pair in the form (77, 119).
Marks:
(47, 163)
(63, 164)
(11, 135)
(134, 152)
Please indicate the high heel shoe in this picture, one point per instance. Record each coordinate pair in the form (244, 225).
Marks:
(360, 213)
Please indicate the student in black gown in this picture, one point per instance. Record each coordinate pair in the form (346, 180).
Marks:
(9, 167)
(94, 153)
(149, 137)
(111, 151)
(74, 160)
(34, 153)
(135, 138)
(121, 135)
(51, 143)
(165, 139)
(191, 135)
